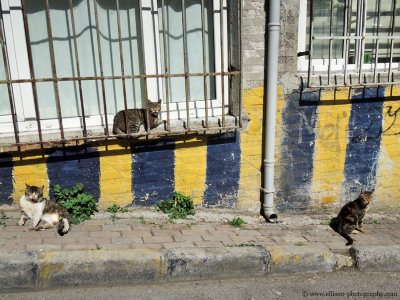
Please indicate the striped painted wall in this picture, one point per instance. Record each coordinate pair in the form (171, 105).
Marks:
(329, 146)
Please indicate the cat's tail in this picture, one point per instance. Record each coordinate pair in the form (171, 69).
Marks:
(336, 225)
(63, 226)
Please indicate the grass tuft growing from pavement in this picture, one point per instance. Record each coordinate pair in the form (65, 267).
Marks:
(236, 222)
(113, 209)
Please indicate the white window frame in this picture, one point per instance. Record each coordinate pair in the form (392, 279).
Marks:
(14, 34)
(337, 65)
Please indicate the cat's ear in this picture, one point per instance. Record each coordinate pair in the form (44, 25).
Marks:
(27, 185)
(41, 188)
(362, 191)
(159, 101)
(373, 190)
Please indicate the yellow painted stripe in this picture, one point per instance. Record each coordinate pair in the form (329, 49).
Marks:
(115, 175)
(31, 170)
(190, 167)
(251, 151)
(330, 146)
(388, 174)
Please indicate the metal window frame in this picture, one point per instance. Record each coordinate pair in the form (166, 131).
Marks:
(230, 74)
(345, 77)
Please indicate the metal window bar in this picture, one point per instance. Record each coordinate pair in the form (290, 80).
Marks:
(103, 89)
(363, 21)
(378, 25)
(53, 66)
(186, 67)
(330, 42)
(32, 72)
(144, 69)
(5, 63)
(346, 44)
(203, 36)
(392, 41)
(165, 63)
(359, 38)
(121, 55)
(78, 70)
(79, 78)
(221, 18)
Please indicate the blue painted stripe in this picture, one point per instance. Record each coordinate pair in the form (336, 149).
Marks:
(72, 165)
(223, 171)
(153, 172)
(6, 179)
(299, 119)
(364, 140)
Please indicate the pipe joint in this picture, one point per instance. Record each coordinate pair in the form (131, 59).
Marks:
(267, 191)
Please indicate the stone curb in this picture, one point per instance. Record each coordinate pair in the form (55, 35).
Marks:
(377, 258)
(39, 270)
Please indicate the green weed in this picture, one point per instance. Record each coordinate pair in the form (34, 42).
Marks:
(113, 209)
(80, 205)
(236, 222)
(142, 220)
(324, 223)
(178, 207)
(299, 244)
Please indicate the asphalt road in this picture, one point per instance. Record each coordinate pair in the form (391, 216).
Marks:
(337, 285)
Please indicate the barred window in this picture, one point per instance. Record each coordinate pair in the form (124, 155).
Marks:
(349, 42)
(68, 66)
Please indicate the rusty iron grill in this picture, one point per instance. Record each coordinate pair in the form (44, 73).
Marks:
(206, 128)
(358, 75)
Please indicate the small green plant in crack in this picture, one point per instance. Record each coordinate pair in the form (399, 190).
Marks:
(142, 220)
(284, 228)
(241, 245)
(178, 207)
(299, 244)
(236, 222)
(324, 223)
(114, 209)
(161, 226)
(80, 205)
(3, 217)
(377, 222)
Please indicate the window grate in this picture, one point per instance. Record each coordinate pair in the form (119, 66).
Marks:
(225, 32)
(355, 29)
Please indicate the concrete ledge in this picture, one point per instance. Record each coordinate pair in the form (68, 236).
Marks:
(18, 269)
(38, 270)
(377, 258)
(290, 260)
(215, 263)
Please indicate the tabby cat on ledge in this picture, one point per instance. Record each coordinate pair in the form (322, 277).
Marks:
(40, 210)
(137, 117)
(350, 217)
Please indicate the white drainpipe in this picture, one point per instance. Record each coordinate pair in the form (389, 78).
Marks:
(270, 109)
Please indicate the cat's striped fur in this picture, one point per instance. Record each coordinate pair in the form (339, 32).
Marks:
(137, 117)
